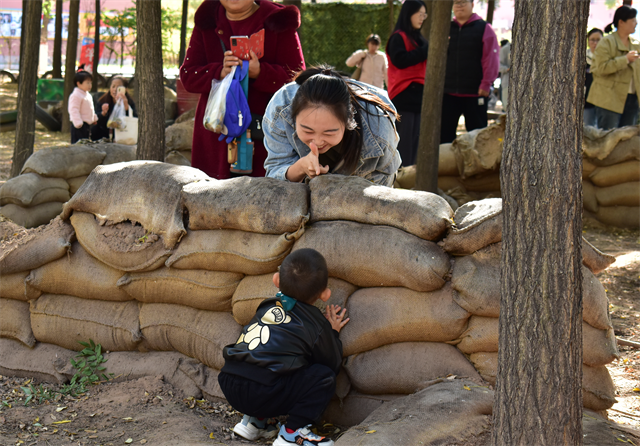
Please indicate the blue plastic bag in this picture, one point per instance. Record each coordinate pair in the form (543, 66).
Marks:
(237, 116)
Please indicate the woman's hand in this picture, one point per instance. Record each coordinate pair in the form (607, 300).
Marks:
(632, 56)
(335, 317)
(229, 62)
(307, 166)
(254, 66)
(105, 109)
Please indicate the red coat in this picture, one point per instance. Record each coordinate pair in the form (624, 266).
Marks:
(203, 62)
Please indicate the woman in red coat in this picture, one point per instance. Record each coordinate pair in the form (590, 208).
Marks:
(215, 23)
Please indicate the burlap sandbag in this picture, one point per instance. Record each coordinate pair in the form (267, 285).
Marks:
(34, 216)
(202, 289)
(252, 290)
(381, 316)
(616, 174)
(175, 157)
(589, 200)
(147, 192)
(449, 412)
(392, 257)
(263, 205)
(118, 153)
(339, 197)
(27, 250)
(479, 150)
(65, 162)
(406, 367)
(624, 194)
(66, 320)
(205, 378)
(232, 250)
(619, 216)
(486, 363)
(354, 408)
(450, 183)
(9, 229)
(13, 286)
(79, 274)
(76, 182)
(594, 259)
(39, 362)
(15, 322)
(487, 182)
(31, 189)
(624, 151)
(186, 154)
(599, 347)
(123, 246)
(477, 224)
(480, 336)
(179, 136)
(587, 168)
(406, 177)
(199, 334)
(447, 164)
(599, 143)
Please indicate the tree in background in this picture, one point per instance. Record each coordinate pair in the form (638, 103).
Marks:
(491, 6)
(46, 18)
(120, 24)
(57, 43)
(96, 47)
(183, 31)
(171, 22)
(29, 55)
(538, 398)
(70, 63)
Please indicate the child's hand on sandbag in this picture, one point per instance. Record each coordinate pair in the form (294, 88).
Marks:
(336, 317)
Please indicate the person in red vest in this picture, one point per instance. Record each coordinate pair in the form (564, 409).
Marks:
(407, 54)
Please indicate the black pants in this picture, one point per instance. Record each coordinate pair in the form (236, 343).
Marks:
(83, 132)
(475, 115)
(409, 131)
(303, 395)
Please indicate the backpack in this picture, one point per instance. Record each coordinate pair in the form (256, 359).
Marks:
(237, 116)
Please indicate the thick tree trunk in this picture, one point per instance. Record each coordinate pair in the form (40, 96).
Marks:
(183, 32)
(96, 48)
(57, 43)
(149, 77)
(431, 115)
(538, 391)
(491, 6)
(29, 55)
(70, 63)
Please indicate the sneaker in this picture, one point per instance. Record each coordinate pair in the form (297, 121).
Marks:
(301, 437)
(251, 428)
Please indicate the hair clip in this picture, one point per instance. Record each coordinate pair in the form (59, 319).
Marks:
(326, 72)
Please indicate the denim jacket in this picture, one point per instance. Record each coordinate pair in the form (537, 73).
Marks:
(379, 160)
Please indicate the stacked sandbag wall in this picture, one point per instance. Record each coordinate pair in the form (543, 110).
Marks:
(51, 176)
(162, 260)
(179, 139)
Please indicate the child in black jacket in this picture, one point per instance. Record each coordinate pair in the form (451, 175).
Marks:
(286, 360)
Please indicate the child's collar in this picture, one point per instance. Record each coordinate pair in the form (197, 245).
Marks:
(287, 302)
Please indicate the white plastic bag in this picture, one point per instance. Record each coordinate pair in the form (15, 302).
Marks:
(217, 104)
(118, 112)
(128, 133)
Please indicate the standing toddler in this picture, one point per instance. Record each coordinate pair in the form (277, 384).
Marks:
(81, 112)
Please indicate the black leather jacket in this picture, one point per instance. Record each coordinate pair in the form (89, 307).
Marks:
(278, 342)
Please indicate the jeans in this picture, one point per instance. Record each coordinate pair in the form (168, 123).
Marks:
(607, 119)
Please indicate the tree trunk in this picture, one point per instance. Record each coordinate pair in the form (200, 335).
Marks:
(29, 55)
(392, 19)
(538, 397)
(96, 48)
(149, 77)
(70, 63)
(426, 26)
(23, 26)
(491, 6)
(431, 114)
(183, 32)
(57, 43)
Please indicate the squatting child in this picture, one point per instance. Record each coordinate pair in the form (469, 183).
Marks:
(286, 360)
(81, 111)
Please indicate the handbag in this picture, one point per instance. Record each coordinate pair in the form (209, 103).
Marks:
(127, 132)
(356, 74)
(237, 113)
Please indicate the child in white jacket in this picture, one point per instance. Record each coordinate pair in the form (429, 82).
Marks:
(81, 111)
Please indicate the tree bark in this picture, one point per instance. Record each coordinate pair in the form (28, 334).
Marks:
(96, 48)
(23, 25)
(426, 26)
(29, 55)
(183, 32)
(491, 6)
(431, 114)
(149, 76)
(392, 19)
(70, 63)
(538, 397)
(57, 43)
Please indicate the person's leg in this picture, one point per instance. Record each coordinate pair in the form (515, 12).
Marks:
(630, 113)
(475, 112)
(606, 119)
(405, 127)
(590, 116)
(311, 389)
(451, 112)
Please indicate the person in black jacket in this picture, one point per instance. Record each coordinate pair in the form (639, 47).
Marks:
(105, 106)
(287, 358)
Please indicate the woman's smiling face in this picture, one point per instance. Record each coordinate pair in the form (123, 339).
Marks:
(318, 125)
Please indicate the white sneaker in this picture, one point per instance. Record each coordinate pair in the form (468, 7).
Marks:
(251, 428)
(301, 437)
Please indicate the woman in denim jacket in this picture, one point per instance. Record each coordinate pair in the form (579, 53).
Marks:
(322, 123)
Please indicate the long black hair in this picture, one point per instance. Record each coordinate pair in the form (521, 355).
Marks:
(322, 86)
(623, 13)
(107, 98)
(409, 8)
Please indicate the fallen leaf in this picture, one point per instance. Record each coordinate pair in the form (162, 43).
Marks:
(61, 422)
(636, 389)
(370, 432)
(128, 441)
(128, 419)
(143, 441)
(92, 436)
(465, 387)
(211, 435)
(60, 409)
(451, 377)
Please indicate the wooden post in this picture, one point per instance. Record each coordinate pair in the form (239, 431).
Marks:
(183, 32)
(70, 63)
(57, 43)
(96, 48)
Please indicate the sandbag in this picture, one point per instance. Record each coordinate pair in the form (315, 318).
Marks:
(34, 216)
(594, 259)
(482, 183)
(39, 362)
(619, 216)
(354, 408)
(80, 275)
(27, 250)
(476, 224)
(406, 177)
(480, 336)
(175, 157)
(587, 168)
(232, 250)
(339, 197)
(599, 143)
(123, 246)
(618, 173)
(479, 150)
(15, 322)
(589, 200)
(179, 136)
(76, 182)
(31, 189)
(65, 161)
(205, 378)
(66, 320)
(381, 316)
(186, 154)
(188, 115)
(13, 286)
(447, 164)
(450, 183)
(623, 151)
(486, 363)
(205, 290)
(196, 333)
(263, 205)
(402, 259)
(624, 194)
(405, 368)
(147, 192)
(599, 347)
(9, 229)
(118, 153)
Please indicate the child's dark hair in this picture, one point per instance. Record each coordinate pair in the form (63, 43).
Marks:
(373, 38)
(304, 275)
(80, 77)
(322, 86)
(623, 13)
(409, 8)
